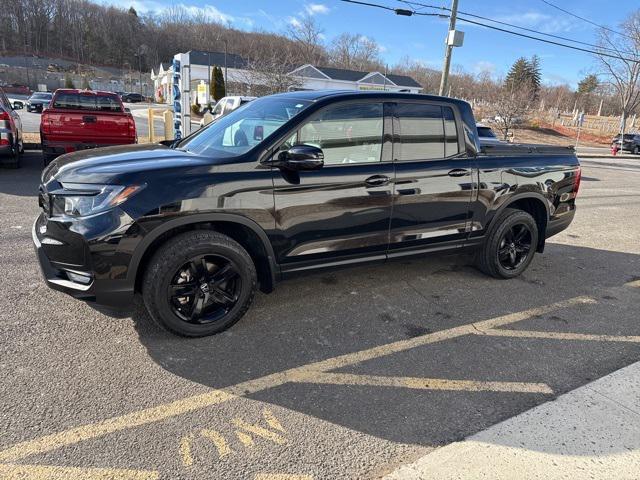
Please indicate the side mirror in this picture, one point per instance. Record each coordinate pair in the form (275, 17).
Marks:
(301, 157)
(18, 105)
(128, 110)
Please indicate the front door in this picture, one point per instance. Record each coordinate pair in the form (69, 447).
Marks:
(340, 212)
(433, 178)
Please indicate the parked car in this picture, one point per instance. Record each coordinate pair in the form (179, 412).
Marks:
(487, 136)
(287, 184)
(131, 97)
(11, 143)
(82, 119)
(631, 143)
(227, 105)
(38, 101)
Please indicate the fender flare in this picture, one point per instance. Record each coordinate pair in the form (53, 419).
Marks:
(524, 196)
(154, 234)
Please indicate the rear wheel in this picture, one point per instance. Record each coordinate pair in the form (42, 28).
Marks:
(48, 158)
(636, 150)
(14, 158)
(510, 245)
(199, 283)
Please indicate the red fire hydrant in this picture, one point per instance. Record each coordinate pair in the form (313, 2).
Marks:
(614, 149)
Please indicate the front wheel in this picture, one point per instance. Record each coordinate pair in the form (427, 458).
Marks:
(510, 244)
(199, 283)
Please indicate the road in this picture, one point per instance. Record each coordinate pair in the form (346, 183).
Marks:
(337, 375)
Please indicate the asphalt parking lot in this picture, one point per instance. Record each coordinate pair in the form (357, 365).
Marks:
(342, 374)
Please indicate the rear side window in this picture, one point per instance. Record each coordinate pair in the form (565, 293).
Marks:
(426, 132)
(77, 101)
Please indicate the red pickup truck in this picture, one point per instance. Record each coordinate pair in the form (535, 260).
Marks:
(81, 119)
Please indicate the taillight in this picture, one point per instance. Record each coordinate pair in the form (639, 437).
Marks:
(5, 119)
(45, 124)
(576, 181)
(132, 126)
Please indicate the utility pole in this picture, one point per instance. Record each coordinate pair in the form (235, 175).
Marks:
(448, 49)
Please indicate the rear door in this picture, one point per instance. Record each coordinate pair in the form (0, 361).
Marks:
(340, 212)
(433, 178)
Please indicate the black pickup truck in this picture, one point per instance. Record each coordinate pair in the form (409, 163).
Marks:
(291, 183)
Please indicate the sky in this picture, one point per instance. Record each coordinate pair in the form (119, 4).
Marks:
(422, 38)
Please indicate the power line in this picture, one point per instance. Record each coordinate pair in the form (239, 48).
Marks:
(586, 20)
(511, 32)
(550, 35)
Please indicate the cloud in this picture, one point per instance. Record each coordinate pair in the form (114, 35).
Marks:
(316, 9)
(540, 21)
(209, 11)
(294, 22)
(484, 66)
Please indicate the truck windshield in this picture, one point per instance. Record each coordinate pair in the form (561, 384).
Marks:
(241, 130)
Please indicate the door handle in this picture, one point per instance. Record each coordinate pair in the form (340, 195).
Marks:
(377, 181)
(458, 172)
(89, 119)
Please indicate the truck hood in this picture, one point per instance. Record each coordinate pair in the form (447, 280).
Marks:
(103, 165)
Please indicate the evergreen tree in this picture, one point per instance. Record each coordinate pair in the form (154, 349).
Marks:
(587, 85)
(68, 83)
(524, 73)
(219, 89)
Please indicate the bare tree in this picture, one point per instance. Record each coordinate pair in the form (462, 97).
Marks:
(267, 75)
(307, 35)
(511, 105)
(354, 51)
(623, 72)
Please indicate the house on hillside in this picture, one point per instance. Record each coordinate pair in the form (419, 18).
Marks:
(241, 80)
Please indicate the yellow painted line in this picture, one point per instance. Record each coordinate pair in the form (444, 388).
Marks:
(245, 438)
(428, 383)
(282, 476)
(185, 450)
(218, 441)
(259, 431)
(272, 421)
(111, 425)
(75, 435)
(635, 284)
(46, 472)
(562, 335)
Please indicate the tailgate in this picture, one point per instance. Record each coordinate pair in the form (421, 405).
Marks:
(87, 126)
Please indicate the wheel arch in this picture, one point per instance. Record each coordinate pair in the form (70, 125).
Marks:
(534, 204)
(242, 229)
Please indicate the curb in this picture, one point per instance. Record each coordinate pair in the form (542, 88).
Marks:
(595, 155)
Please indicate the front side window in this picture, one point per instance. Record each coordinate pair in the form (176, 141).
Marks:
(244, 128)
(349, 133)
(426, 132)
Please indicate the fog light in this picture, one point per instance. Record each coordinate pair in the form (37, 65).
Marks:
(79, 278)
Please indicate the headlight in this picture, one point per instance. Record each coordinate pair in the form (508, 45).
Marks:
(81, 200)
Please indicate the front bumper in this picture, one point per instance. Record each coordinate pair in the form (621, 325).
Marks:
(71, 269)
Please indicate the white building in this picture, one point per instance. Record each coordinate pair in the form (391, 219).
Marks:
(200, 65)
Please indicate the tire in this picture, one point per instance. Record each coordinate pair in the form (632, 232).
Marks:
(636, 150)
(503, 255)
(181, 265)
(14, 159)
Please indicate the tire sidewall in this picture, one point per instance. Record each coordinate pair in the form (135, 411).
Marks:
(160, 305)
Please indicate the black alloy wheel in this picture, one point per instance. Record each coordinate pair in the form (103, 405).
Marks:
(510, 244)
(515, 246)
(199, 283)
(205, 289)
